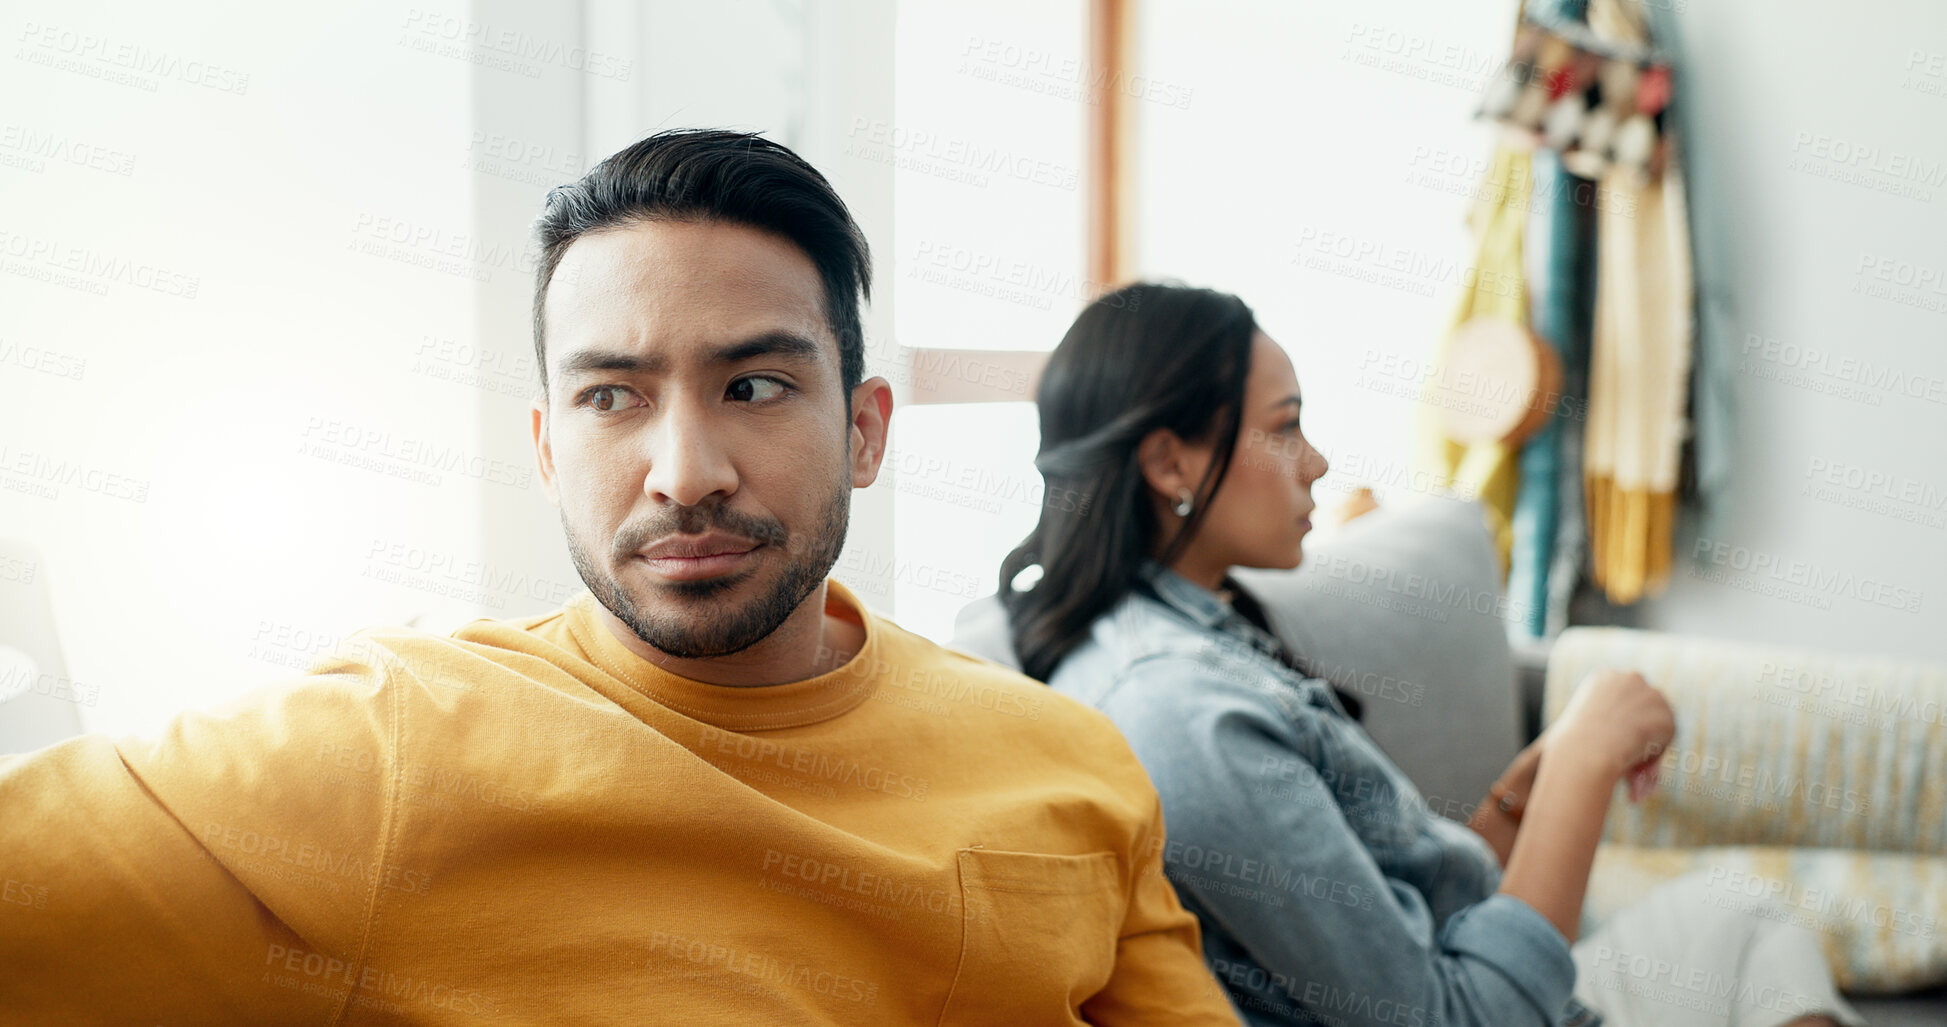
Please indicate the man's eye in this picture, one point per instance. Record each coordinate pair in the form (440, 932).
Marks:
(748, 389)
(1290, 427)
(602, 397)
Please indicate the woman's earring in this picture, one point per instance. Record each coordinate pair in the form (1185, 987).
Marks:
(1184, 503)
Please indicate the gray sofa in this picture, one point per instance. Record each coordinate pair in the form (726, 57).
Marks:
(1403, 608)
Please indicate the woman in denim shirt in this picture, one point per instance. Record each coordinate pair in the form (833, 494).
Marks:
(1328, 891)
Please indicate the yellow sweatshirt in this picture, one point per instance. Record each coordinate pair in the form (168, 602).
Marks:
(525, 822)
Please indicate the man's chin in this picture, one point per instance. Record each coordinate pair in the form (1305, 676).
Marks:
(711, 617)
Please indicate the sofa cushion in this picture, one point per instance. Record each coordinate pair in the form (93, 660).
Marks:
(1778, 744)
(1877, 915)
(1820, 775)
(1403, 609)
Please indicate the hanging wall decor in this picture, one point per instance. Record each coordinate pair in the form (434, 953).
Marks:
(1598, 102)
(1587, 164)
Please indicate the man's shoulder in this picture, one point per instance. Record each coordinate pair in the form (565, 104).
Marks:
(913, 661)
(451, 662)
(981, 694)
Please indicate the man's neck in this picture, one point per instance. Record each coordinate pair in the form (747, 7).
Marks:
(810, 642)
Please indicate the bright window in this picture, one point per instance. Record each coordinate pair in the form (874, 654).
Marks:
(987, 202)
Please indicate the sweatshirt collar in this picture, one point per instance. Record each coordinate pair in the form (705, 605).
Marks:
(739, 708)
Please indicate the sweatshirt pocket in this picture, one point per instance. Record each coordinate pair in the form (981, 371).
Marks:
(1039, 935)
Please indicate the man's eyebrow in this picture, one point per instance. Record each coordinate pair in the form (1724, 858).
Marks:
(1292, 399)
(589, 360)
(779, 343)
(772, 343)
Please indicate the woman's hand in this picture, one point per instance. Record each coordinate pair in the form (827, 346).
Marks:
(1620, 722)
(1496, 823)
(1615, 725)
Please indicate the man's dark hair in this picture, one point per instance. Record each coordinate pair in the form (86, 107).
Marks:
(716, 175)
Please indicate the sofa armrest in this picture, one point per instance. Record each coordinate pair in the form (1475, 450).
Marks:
(1777, 745)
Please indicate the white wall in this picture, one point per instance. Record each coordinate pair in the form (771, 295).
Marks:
(308, 363)
(1807, 189)
(1342, 134)
(279, 419)
(990, 179)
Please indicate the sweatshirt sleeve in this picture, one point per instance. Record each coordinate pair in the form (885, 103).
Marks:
(1286, 879)
(210, 874)
(1160, 976)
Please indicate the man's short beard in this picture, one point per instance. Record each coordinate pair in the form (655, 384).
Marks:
(707, 632)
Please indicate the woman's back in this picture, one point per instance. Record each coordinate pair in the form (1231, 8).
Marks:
(1324, 884)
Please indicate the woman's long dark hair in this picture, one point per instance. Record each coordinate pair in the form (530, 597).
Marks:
(1146, 356)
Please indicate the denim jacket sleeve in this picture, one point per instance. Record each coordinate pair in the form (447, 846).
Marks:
(1261, 847)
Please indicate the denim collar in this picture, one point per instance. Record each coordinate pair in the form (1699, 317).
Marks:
(1202, 606)
(1187, 597)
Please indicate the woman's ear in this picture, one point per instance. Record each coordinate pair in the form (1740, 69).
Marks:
(1165, 460)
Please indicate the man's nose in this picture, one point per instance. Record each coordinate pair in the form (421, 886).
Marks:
(687, 460)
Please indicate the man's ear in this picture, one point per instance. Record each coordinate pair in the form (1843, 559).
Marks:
(871, 418)
(543, 452)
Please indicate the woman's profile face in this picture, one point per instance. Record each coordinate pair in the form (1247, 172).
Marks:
(1262, 511)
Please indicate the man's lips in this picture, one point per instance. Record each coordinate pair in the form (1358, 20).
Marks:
(705, 556)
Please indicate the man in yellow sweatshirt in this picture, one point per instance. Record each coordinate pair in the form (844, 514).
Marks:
(713, 788)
